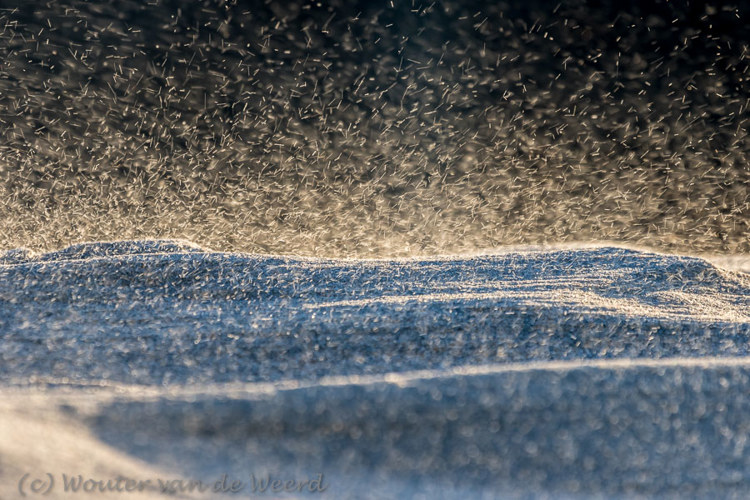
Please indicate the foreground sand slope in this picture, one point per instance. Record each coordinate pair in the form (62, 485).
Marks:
(579, 372)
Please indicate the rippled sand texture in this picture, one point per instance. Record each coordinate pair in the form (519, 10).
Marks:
(593, 371)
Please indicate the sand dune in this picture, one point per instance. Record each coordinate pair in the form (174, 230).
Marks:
(572, 372)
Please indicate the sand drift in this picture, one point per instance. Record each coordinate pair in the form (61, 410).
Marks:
(571, 372)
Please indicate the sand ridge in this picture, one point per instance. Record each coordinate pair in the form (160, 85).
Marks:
(526, 372)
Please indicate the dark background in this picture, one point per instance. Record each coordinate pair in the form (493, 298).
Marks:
(375, 128)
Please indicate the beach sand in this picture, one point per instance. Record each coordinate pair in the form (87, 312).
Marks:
(571, 372)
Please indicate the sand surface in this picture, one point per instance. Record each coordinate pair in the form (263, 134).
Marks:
(569, 372)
